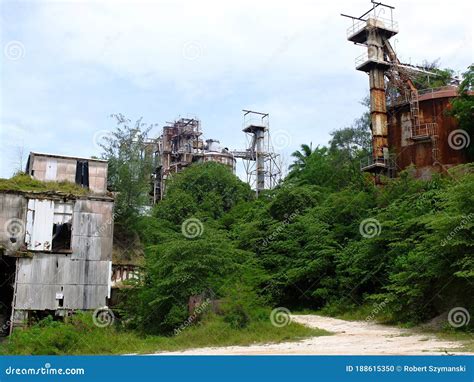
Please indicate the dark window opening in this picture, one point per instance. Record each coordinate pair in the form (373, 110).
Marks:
(61, 237)
(82, 173)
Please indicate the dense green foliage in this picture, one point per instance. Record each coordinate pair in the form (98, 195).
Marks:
(130, 166)
(300, 246)
(188, 253)
(438, 78)
(305, 243)
(463, 108)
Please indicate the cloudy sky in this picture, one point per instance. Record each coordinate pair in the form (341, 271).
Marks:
(67, 65)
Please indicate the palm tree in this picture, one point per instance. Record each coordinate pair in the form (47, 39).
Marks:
(301, 157)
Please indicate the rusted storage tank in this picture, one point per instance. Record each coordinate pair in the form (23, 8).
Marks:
(214, 153)
(428, 146)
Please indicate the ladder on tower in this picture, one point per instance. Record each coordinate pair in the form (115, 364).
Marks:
(414, 108)
(425, 131)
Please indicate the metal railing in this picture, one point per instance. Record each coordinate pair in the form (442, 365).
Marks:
(380, 22)
(255, 120)
(403, 99)
(425, 130)
(356, 26)
(384, 23)
(361, 59)
(435, 90)
(364, 57)
(370, 161)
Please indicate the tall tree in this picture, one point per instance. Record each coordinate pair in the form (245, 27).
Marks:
(130, 165)
(301, 156)
(462, 108)
(356, 137)
(439, 78)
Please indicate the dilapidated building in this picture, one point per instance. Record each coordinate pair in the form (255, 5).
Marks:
(181, 144)
(56, 240)
(410, 126)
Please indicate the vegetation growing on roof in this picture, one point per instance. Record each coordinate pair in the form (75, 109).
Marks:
(439, 78)
(25, 183)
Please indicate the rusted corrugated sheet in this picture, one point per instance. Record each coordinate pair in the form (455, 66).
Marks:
(433, 107)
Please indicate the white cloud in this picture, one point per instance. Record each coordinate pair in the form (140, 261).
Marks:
(84, 59)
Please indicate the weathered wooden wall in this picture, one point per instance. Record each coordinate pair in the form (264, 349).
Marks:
(12, 217)
(56, 168)
(79, 280)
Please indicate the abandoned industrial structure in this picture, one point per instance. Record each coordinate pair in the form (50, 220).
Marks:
(56, 247)
(409, 127)
(181, 144)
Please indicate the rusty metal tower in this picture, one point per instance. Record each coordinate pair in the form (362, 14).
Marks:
(380, 61)
(261, 163)
(372, 31)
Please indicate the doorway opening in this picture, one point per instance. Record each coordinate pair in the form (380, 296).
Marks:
(7, 285)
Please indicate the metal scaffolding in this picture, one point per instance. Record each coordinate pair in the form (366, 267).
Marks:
(262, 165)
(381, 62)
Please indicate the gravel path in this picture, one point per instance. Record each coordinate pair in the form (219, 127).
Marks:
(351, 337)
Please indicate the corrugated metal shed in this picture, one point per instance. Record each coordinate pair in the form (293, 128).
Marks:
(79, 278)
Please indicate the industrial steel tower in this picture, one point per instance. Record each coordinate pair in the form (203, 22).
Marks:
(260, 161)
(372, 31)
(380, 62)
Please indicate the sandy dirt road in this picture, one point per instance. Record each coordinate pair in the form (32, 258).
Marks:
(350, 337)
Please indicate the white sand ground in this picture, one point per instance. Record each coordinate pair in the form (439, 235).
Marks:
(351, 337)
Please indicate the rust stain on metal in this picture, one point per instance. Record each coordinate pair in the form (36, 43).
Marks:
(433, 106)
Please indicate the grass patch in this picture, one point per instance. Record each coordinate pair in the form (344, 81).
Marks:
(465, 338)
(374, 313)
(24, 182)
(81, 336)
